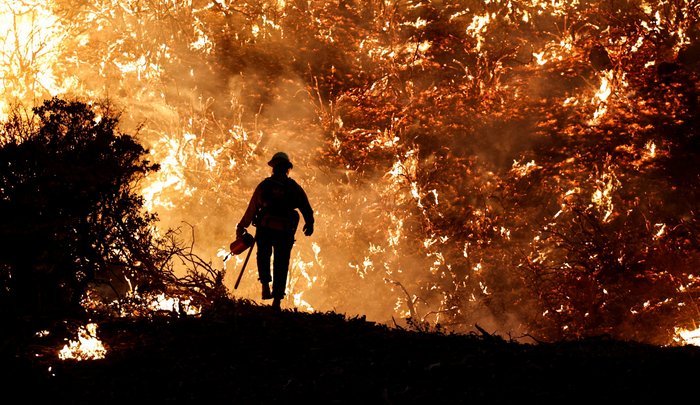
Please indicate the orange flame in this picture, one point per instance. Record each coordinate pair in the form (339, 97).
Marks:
(87, 347)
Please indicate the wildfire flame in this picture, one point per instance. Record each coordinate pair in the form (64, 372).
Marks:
(691, 337)
(412, 203)
(87, 347)
(602, 96)
(29, 48)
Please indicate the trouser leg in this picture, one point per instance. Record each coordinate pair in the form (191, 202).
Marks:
(263, 259)
(283, 252)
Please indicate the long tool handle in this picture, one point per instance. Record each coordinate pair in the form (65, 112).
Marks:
(244, 264)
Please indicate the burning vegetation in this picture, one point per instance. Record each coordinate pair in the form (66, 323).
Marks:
(527, 166)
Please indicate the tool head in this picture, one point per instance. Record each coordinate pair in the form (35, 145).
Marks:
(241, 244)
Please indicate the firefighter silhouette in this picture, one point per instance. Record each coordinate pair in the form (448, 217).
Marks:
(273, 211)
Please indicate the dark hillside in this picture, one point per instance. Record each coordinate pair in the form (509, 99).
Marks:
(247, 354)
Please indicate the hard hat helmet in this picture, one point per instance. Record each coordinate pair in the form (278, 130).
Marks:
(280, 158)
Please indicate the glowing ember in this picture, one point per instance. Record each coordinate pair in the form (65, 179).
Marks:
(173, 304)
(602, 197)
(523, 170)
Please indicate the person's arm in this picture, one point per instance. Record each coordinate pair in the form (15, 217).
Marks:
(247, 218)
(306, 211)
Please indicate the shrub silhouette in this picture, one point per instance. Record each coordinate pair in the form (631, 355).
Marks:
(68, 210)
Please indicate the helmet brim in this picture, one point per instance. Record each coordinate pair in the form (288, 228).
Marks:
(277, 162)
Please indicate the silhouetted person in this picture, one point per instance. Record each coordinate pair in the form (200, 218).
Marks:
(273, 211)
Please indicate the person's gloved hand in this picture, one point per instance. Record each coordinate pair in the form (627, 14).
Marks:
(240, 231)
(308, 229)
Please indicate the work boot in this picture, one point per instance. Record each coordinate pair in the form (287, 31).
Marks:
(266, 293)
(276, 304)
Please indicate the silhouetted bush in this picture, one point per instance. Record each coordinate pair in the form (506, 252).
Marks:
(69, 211)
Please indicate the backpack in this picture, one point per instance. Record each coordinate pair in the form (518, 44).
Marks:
(278, 209)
